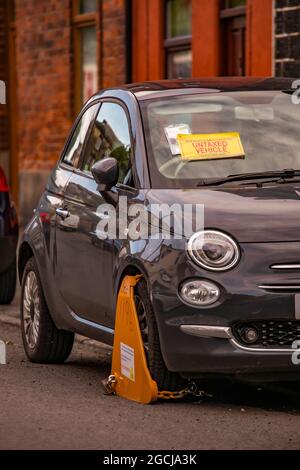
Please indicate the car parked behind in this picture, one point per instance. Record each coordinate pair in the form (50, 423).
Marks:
(8, 242)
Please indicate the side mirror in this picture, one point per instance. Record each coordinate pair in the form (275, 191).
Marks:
(106, 173)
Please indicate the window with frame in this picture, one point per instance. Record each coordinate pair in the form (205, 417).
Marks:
(234, 3)
(110, 137)
(74, 150)
(85, 50)
(233, 32)
(178, 38)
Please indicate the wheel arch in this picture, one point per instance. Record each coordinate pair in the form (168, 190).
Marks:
(131, 269)
(25, 253)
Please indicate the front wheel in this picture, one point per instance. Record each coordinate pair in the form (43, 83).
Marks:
(43, 342)
(165, 379)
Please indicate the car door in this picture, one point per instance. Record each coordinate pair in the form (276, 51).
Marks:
(84, 257)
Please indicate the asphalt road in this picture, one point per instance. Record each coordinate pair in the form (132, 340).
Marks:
(63, 407)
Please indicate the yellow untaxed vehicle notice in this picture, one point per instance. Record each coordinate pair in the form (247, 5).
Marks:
(210, 146)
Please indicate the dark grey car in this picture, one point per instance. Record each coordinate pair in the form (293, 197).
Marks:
(231, 306)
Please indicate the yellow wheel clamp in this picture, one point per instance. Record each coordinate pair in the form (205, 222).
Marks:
(130, 377)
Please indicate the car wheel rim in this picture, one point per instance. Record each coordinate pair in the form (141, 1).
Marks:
(31, 309)
(141, 312)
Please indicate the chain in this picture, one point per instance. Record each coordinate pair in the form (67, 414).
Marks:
(166, 395)
(192, 389)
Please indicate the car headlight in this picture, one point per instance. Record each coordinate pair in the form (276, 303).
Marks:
(213, 250)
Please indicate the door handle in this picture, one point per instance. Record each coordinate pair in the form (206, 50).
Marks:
(62, 213)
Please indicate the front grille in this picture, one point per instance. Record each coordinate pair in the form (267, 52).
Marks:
(270, 334)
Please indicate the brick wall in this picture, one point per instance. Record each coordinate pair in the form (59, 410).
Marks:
(287, 37)
(43, 61)
(45, 73)
(45, 92)
(113, 70)
(43, 50)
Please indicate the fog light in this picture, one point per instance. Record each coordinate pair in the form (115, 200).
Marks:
(250, 335)
(199, 292)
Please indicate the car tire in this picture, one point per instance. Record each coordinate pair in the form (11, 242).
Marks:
(8, 284)
(165, 379)
(43, 342)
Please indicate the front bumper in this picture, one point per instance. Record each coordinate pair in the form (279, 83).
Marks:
(200, 349)
(247, 296)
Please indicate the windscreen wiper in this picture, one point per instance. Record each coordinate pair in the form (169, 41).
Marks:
(281, 174)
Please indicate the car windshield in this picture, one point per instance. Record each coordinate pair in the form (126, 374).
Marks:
(202, 137)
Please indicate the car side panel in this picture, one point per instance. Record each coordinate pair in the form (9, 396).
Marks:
(40, 232)
(40, 236)
(40, 239)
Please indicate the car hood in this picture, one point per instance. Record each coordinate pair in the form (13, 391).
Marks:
(250, 214)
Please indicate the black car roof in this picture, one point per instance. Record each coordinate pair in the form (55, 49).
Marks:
(165, 88)
(219, 83)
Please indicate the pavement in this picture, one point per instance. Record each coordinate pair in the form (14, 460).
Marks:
(63, 407)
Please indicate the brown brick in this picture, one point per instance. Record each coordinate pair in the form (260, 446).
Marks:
(45, 69)
(113, 43)
(44, 80)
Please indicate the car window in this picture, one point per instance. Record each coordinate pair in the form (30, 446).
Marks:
(110, 137)
(197, 138)
(74, 149)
